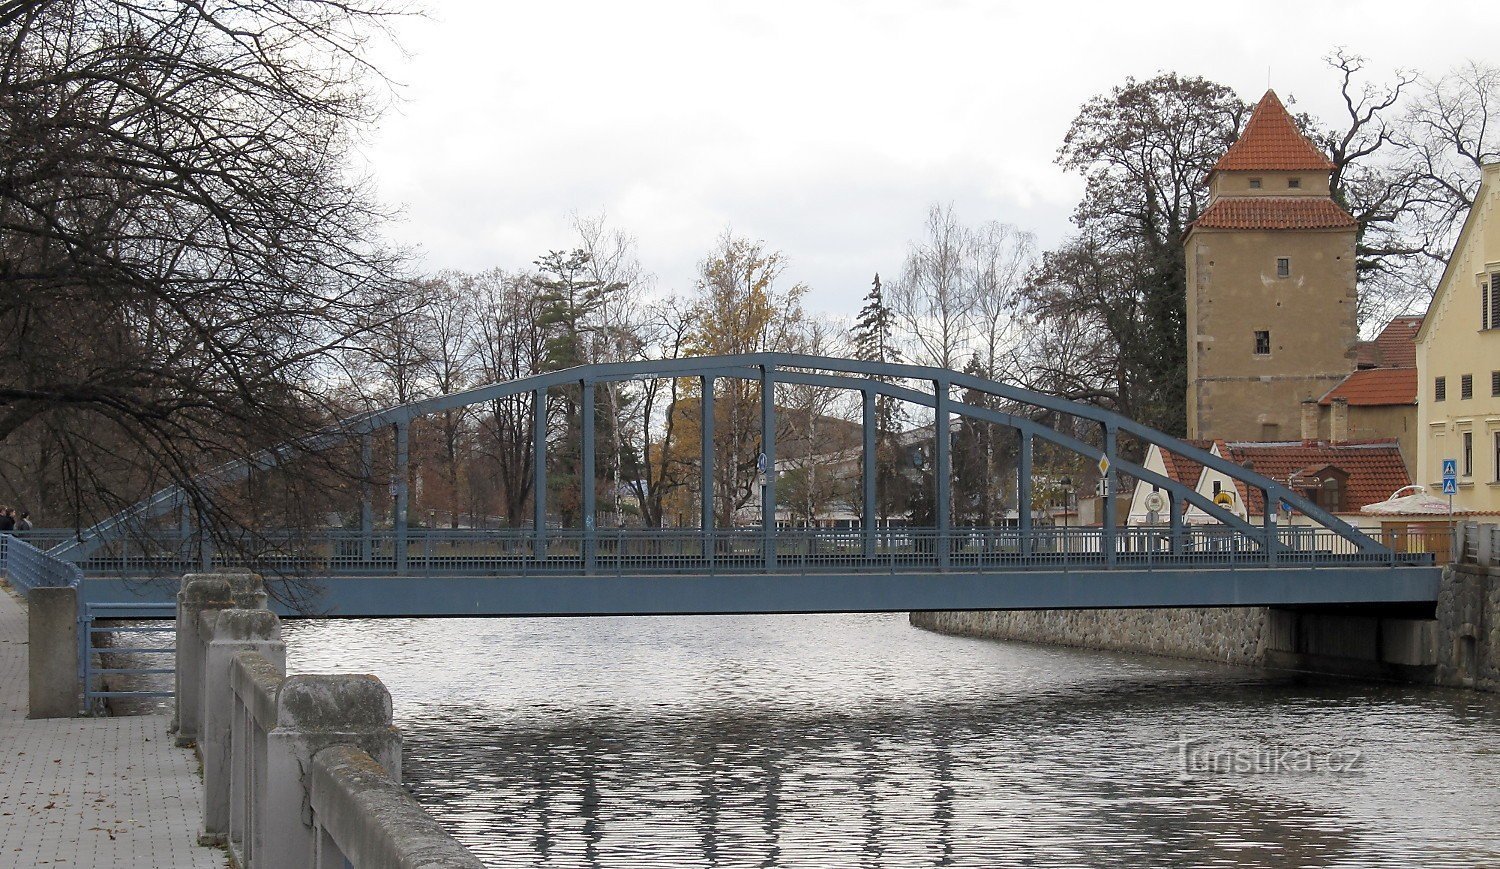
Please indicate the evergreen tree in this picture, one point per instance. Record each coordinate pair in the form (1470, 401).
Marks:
(873, 342)
(568, 300)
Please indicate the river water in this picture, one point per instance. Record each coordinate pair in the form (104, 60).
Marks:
(862, 741)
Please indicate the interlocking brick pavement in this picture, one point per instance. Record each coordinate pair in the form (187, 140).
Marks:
(112, 793)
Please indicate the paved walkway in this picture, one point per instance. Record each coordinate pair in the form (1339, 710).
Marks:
(113, 793)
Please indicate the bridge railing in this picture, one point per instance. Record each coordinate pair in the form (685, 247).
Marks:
(26, 567)
(298, 770)
(521, 551)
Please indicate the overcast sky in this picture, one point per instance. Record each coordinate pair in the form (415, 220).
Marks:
(824, 128)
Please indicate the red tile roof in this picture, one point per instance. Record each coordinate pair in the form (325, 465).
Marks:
(1375, 468)
(1272, 142)
(1396, 345)
(1183, 469)
(1375, 387)
(1274, 212)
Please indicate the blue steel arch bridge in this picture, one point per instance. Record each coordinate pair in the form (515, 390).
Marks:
(542, 570)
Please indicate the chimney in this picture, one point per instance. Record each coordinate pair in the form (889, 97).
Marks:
(1310, 415)
(1338, 422)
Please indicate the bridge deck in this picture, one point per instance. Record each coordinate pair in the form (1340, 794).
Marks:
(638, 594)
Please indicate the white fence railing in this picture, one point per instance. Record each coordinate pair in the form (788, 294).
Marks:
(299, 770)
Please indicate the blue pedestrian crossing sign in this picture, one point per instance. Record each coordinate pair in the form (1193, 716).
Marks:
(1450, 469)
(1450, 486)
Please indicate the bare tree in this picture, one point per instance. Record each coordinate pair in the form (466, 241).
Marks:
(509, 345)
(933, 301)
(183, 254)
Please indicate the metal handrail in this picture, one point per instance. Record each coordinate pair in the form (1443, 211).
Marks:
(667, 551)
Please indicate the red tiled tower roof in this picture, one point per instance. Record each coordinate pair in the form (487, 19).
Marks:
(1272, 142)
(1274, 212)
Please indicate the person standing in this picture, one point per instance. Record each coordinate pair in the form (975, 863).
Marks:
(7, 520)
(23, 521)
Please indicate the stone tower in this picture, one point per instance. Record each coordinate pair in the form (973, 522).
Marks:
(1271, 313)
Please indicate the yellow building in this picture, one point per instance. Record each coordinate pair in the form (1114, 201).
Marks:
(1271, 316)
(1458, 362)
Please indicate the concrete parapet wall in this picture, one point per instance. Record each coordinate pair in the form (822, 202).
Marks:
(373, 821)
(300, 770)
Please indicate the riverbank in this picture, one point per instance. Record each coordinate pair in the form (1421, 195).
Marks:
(1456, 645)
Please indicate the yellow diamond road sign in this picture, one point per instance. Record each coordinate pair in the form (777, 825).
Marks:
(1104, 464)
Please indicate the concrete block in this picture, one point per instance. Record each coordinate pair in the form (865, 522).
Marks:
(313, 713)
(228, 632)
(52, 653)
(365, 817)
(200, 593)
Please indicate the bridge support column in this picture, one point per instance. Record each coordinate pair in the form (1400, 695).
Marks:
(403, 474)
(706, 463)
(1023, 495)
(942, 473)
(1175, 506)
(539, 475)
(867, 525)
(1109, 539)
(205, 543)
(366, 506)
(768, 450)
(586, 480)
(1269, 503)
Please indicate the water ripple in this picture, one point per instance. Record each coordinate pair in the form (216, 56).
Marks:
(860, 741)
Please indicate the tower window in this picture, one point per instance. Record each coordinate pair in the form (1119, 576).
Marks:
(1497, 456)
(1262, 343)
(1254, 183)
(1495, 383)
(1294, 182)
(1440, 389)
(1466, 386)
(1283, 267)
(1484, 307)
(1467, 462)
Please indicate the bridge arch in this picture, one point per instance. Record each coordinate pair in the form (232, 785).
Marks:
(919, 385)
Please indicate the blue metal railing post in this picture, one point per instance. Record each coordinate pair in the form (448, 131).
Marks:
(366, 505)
(768, 450)
(1023, 495)
(867, 464)
(539, 474)
(706, 461)
(1268, 522)
(942, 471)
(1175, 505)
(399, 520)
(1109, 537)
(586, 478)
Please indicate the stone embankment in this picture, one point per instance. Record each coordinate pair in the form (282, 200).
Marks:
(1456, 644)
